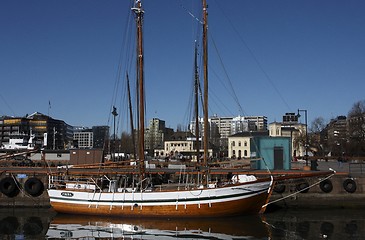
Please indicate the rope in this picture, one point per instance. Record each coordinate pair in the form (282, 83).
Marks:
(21, 189)
(295, 193)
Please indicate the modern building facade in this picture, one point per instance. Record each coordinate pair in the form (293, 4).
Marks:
(49, 133)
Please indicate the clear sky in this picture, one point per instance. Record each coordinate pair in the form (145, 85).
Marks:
(278, 56)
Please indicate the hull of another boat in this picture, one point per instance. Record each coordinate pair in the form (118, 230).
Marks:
(247, 198)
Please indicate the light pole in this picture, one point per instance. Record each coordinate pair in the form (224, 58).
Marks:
(306, 133)
(115, 114)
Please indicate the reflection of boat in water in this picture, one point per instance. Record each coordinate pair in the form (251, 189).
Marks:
(78, 227)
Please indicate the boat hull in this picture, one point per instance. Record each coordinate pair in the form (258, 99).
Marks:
(227, 201)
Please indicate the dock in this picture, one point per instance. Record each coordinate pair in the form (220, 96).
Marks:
(342, 190)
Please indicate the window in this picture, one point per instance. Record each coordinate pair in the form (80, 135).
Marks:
(245, 153)
(239, 143)
(245, 143)
(233, 144)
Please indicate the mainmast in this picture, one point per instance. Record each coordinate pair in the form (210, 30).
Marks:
(196, 83)
(205, 70)
(137, 9)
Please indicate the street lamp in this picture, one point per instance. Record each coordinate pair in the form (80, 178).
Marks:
(306, 133)
(115, 114)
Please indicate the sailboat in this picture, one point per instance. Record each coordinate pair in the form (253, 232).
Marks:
(113, 194)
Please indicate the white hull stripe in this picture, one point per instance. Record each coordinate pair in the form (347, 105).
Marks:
(172, 200)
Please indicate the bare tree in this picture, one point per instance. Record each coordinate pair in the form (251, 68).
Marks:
(316, 137)
(356, 128)
(317, 125)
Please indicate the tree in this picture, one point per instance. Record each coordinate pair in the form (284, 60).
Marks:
(318, 125)
(356, 128)
(316, 136)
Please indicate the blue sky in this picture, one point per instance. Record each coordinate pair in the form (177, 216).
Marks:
(278, 56)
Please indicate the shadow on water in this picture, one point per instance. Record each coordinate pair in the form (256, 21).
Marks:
(30, 223)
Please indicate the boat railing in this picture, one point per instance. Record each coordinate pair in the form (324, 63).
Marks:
(75, 183)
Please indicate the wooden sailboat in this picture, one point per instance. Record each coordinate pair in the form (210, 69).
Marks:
(113, 194)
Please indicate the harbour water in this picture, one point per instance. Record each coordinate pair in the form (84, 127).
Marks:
(41, 223)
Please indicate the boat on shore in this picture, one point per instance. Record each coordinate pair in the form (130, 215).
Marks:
(138, 195)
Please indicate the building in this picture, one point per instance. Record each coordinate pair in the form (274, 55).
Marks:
(337, 132)
(86, 156)
(95, 137)
(100, 136)
(182, 145)
(257, 123)
(271, 153)
(290, 127)
(155, 135)
(83, 138)
(239, 144)
(48, 132)
(226, 126)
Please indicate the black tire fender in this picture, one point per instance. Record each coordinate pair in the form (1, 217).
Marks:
(34, 187)
(280, 188)
(326, 186)
(301, 186)
(9, 187)
(349, 185)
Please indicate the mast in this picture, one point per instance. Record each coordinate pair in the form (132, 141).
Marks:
(196, 104)
(131, 116)
(205, 70)
(137, 9)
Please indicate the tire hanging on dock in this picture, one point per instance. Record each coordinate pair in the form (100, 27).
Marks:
(9, 187)
(280, 188)
(34, 187)
(326, 186)
(303, 187)
(349, 185)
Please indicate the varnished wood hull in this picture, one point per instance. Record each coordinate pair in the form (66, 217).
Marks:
(240, 199)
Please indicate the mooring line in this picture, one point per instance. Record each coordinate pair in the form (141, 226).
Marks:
(277, 200)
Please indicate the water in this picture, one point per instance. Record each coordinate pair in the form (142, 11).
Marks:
(281, 224)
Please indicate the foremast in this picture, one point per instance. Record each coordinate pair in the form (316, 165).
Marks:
(139, 12)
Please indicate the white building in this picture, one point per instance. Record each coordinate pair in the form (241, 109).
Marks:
(84, 139)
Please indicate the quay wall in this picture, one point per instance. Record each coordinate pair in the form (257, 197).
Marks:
(339, 191)
(37, 197)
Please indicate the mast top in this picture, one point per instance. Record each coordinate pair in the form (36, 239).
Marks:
(138, 7)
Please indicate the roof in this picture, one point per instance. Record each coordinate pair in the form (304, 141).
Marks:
(251, 134)
(180, 136)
